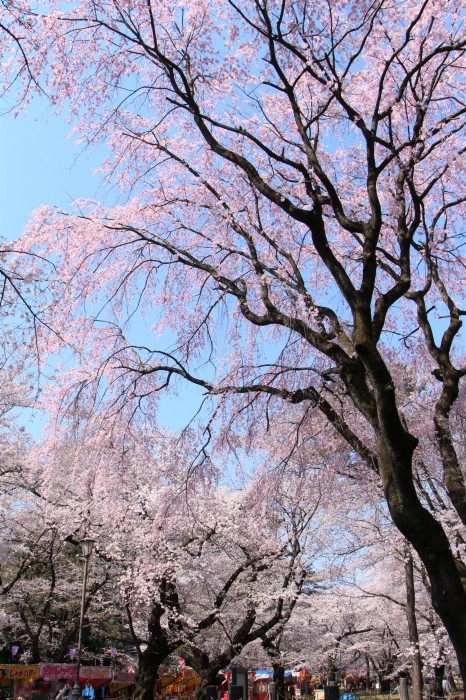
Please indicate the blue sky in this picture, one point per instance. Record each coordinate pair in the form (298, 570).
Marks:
(40, 165)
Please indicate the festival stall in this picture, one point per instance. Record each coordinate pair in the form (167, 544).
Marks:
(182, 687)
(122, 685)
(39, 681)
(261, 680)
(16, 677)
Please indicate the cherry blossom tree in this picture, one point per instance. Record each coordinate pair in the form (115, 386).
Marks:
(188, 562)
(41, 572)
(293, 201)
(16, 491)
(41, 611)
(274, 586)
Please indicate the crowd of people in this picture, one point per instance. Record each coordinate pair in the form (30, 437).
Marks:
(64, 691)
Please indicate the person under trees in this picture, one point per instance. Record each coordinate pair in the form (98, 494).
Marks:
(293, 200)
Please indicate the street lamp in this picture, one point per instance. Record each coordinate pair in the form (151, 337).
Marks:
(87, 545)
(14, 651)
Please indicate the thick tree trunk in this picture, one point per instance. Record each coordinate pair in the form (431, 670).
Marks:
(159, 644)
(403, 686)
(147, 675)
(207, 677)
(438, 681)
(279, 680)
(395, 449)
(207, 668)
(428, 539)
(35, 651)
(331, 670)
(416, 662)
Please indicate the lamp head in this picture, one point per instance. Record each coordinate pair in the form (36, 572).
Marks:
(87, 545)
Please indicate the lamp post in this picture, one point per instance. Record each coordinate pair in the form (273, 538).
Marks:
(14, 651)
(87, 545)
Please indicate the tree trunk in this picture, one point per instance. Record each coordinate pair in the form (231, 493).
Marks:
(395, 450)
(35, 650)
(438, 682)
(279, 680)
(159, 645)
(207, 677)
(331, 670)
(416, 662)
(428, 539)
(403, 686)
(207, 668)
(147, 675)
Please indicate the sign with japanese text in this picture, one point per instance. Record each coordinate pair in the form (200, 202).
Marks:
(20, 671)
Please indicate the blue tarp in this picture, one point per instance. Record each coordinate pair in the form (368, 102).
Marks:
(268, 673)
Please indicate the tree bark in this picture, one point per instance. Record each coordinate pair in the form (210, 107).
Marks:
(368, 672)
(331, 668)
(429, 540)
(147, 675)
(438, 681)
(159, 646)
(416, 662)
(35, 651)
(207, 677)
(403, 686)
(279, 680)
(395, 449)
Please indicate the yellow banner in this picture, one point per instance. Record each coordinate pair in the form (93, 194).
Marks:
(20, 672)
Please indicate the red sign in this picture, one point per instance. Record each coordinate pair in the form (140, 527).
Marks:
(67, 671)
(122, 677)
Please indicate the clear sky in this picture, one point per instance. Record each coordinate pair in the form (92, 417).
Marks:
(40, 165)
